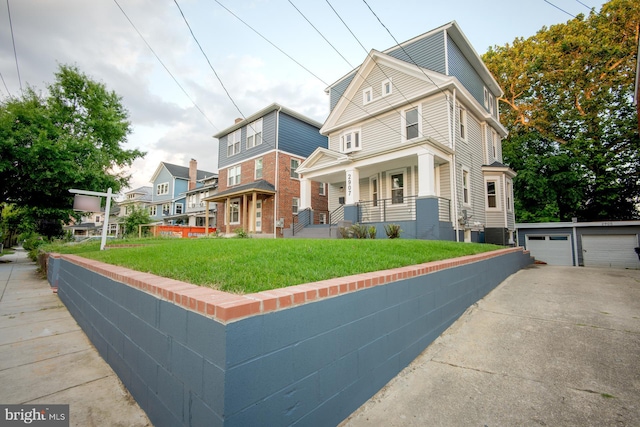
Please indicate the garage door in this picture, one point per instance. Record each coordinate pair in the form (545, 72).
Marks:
(552, 249)
(610, 251)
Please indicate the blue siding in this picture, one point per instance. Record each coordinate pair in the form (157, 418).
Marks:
(163, 176)
(427, 52)
(337, 91)
(298, 137)
(460, 67)
(268, 143)
(181, 187)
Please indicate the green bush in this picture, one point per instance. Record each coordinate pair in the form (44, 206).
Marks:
(31, 241)
(393, 231)
(373, 232)
(241, 233)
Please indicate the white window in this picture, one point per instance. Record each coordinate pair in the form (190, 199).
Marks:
(463, 123)
(178, 208)
(233, 143)
(412, 127)
(322, 189)
(491, 185)
(233, 176)
(350, 141)
(153, 210)
(294, 165)
(254, 134)
(494, 144)
(322, 218)
(97, 218)
(397, 187)
(131, 196)
(367, 95)
(486, 98)
(296, 204)
(258, 168)
(166, 209)
(162, 189)
(466, 196)
(509, 196)
(374, 191)
(386, 88)
(234, 211)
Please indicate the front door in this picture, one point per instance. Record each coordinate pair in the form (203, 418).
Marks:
(259, 216)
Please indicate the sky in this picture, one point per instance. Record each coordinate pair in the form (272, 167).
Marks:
(239, 72)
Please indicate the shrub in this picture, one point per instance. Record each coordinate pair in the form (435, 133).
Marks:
(359, 231)
(241, 233)
(31, 241)
(373, 232)
(393, 231)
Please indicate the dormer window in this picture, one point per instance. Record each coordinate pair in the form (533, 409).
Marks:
(386, 88)
(350, 141)
(162, 189)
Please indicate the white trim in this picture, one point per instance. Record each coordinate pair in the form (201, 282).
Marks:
(463, 128)
(403, 123)
(383, 87)
(234, 143)
(237, 174)
(402, 171)
(467, 171)
(496, 180)
(232, 202)
(355, 134)
(367, 96)
(292, 170)
(162, 184)
(255, 168)
(254, 129)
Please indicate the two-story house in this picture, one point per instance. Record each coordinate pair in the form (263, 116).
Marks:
(415, 139)
(196, 207)
(259, 186)
(170, 185)
(138, 198)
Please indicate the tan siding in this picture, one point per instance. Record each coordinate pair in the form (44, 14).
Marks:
(435, 120)
(495, 219)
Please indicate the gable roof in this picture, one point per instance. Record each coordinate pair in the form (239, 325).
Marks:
(178, 171)
(264, 112)
(328, 157)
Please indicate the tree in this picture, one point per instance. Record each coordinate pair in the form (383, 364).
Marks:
(135, 218)
(72, 138)
(568, 107)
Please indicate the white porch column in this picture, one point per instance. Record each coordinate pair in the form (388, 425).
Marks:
(352, 186)
(305, 194)
(426, 178)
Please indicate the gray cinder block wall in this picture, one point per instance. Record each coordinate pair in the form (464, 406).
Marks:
(311, 364)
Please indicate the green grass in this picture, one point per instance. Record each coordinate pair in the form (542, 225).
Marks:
(254, 265)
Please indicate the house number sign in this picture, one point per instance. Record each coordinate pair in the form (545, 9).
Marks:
(349, 179)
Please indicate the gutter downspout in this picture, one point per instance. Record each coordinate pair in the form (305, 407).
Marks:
(277, 178)
(454, 172)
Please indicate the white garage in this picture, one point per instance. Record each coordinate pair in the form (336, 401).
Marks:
(609, 244)
(617, 250)
(552, 249)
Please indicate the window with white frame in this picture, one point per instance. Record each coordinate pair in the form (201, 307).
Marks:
(462, 114)
(494, 144)
(166, 209)
(412, 123)
(397, 187)
(322, 218)
(162, 189)
(178, 208)
(258, 168)
(254, 134)
(466, 195)
(491, 185)
(367, 95)
(350, 141)
(295, 204)
(486, 98)
(322, 189)
(509, 195)
(233, 143)
(387, 88)
(97, 218)
(234, 211)
(153, 210)
(294, 165)
(233, 176)
(131, 196)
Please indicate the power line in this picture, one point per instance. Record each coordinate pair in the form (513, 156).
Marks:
(590, 8)
(15, 52)
(207, 58)
(164, 66)
(5, 85)
(559, 8)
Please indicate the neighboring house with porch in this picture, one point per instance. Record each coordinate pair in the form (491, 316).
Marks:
(196, 206)
(415, 139)
(259, 186)
(138, 198)
(169, 191)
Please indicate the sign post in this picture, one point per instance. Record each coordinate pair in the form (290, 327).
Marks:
(82, 206)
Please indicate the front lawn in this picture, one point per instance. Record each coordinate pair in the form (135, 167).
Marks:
(254, 265)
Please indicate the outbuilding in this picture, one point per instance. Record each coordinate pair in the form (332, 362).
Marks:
(589, 244)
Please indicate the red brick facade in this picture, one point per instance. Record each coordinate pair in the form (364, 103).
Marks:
(287, 188)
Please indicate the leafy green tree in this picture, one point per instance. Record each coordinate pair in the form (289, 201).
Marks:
(71, 138)
(568, 107)
(135, 218)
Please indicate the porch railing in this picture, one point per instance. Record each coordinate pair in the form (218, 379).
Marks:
(307, 217)
(337, 215)
(387, 210)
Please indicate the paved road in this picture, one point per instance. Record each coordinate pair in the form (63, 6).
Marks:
(550, 346)
(45, 358)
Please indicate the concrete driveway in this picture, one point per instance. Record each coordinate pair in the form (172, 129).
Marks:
(550, 346)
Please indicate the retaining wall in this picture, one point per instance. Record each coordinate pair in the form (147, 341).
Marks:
(308, 354)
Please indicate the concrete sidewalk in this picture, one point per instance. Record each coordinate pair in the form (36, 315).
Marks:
(45, 358)
(550, 346)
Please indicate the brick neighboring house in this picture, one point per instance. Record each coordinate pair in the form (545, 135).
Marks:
(258, 186)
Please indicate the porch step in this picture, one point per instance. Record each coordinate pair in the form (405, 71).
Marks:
(317, 232)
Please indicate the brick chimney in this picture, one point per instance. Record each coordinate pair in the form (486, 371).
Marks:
(238, 120)
(193, 173)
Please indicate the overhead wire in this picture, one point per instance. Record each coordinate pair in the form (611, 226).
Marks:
(164, 66)
(385, 74)
(559, 8)
(590, 8)
(5, 85)
(208, 61)
(13, 41)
